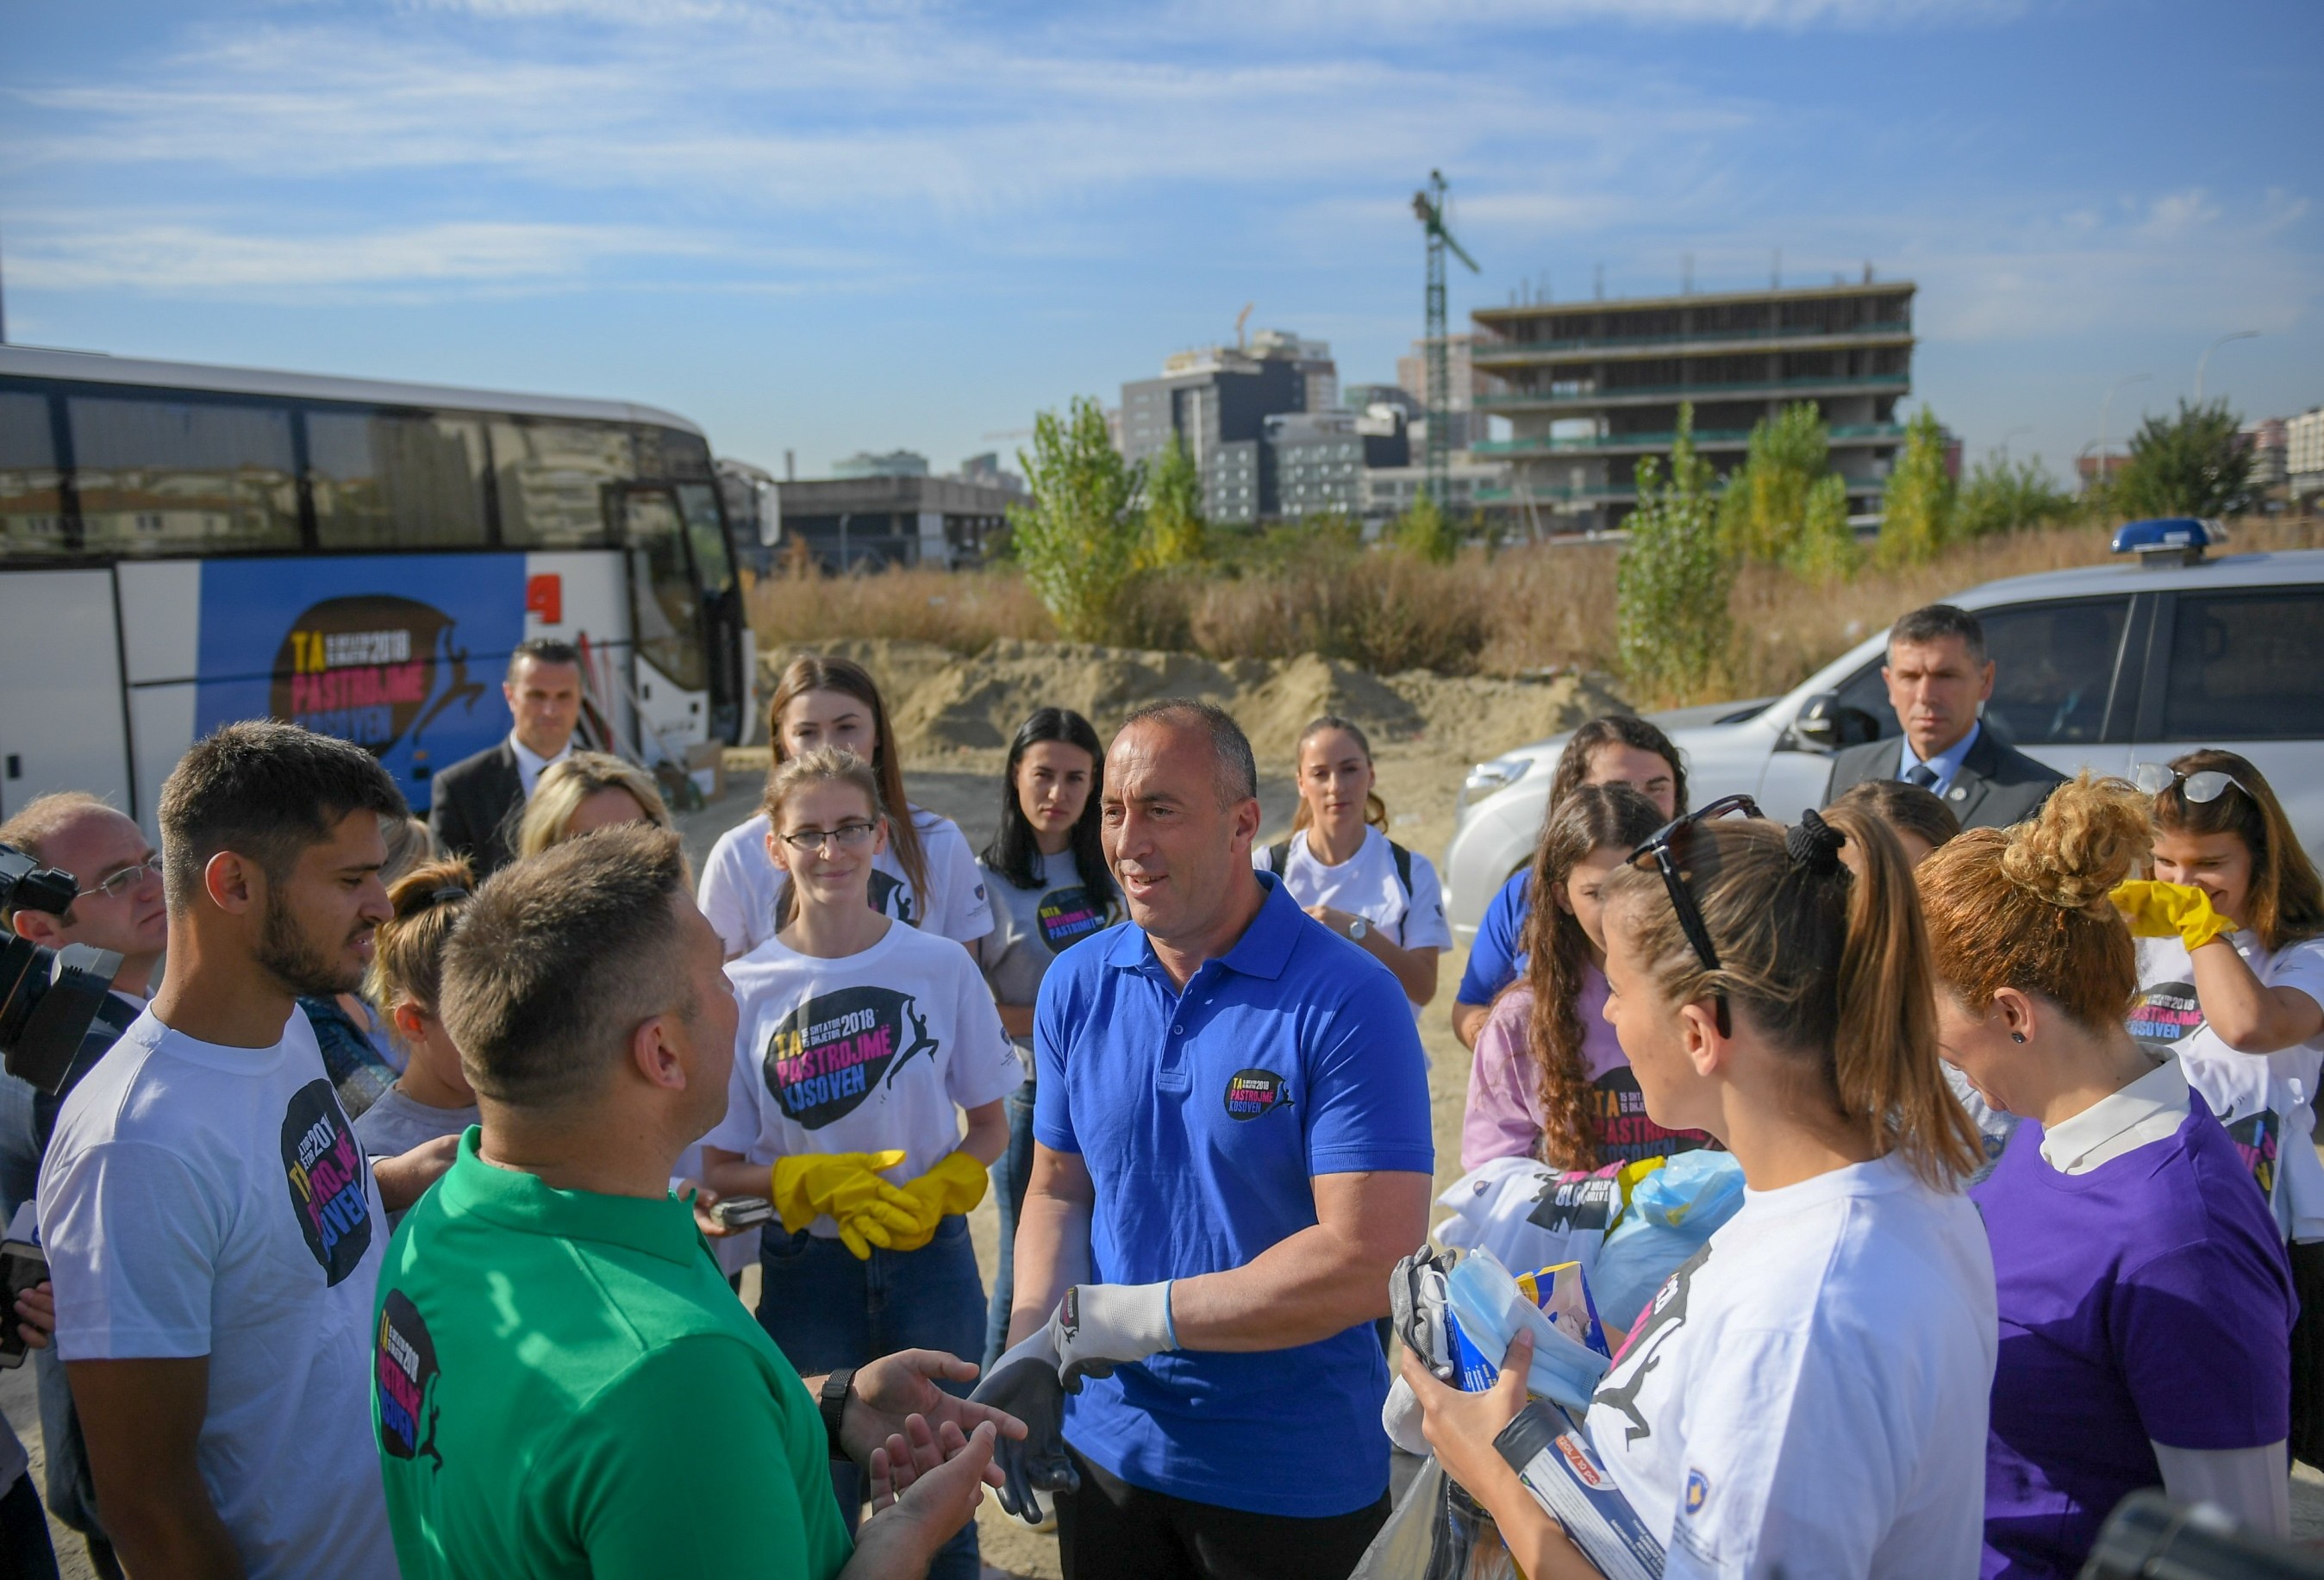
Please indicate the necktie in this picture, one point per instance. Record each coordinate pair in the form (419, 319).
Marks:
(1922, 774)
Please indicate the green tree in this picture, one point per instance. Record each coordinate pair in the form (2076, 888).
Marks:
(1671, 585)
(2189, 465)
(1426, 532)
(1080, 539)
(1826, 548)
(1917, 517)
(1764, 508)
(2002, 497)
(1174, 531)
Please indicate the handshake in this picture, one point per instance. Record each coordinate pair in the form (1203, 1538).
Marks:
(870, 1211)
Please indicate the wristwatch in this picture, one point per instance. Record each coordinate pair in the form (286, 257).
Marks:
(1358, 929)
(833, 1404)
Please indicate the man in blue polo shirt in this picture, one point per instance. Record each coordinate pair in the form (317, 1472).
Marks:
(1231, 1151)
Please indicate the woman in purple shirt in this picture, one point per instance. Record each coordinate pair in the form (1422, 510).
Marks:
(2145, 1301)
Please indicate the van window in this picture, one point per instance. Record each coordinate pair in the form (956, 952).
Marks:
(157, 477)
(32, 493)
(2054, 665)
(2246, 666)
(556, 480)
(386, 481)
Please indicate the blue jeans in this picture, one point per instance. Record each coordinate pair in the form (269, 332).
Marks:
(1010, 1171)
(826, 1309)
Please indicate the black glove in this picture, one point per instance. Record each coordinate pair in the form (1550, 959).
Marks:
(1025, 1382)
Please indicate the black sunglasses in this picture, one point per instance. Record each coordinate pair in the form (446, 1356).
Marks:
(1672, 847)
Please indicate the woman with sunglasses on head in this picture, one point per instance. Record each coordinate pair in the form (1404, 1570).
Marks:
(1046, 872)
(1807, 1395)
(860, 1046)
(1550, 1080)
(2144, 1303)
(924, 874)
(2231, 980)
(1344, 870)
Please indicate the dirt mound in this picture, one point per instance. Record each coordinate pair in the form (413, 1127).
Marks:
(944, 705)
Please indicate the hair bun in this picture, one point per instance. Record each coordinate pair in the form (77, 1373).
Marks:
(1813, 845)
(2084, 842)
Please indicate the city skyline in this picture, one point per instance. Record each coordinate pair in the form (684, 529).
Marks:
(914, 225)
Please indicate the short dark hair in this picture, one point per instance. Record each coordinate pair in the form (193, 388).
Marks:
(267, 790)
(1238, 770)
(1615, 729)
(543, 650)
(559, 958)
(1934, 623)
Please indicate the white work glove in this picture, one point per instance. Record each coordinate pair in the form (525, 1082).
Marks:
(1099, 1326)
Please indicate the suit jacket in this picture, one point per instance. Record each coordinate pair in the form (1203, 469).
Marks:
(478, 803)
(1997, 785)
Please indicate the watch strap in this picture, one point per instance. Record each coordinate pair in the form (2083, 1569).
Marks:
(833, 1405)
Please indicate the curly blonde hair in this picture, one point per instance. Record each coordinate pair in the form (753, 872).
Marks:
(2027, 908)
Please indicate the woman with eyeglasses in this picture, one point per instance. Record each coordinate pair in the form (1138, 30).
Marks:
(2231, 980)
(862, 1045)
(2145, 1304)
(1808, 1394)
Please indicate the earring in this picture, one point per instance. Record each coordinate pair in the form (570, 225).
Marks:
(2017, 1037)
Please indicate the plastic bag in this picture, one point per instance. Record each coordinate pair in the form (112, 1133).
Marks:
(1530, 1214)
(1436, 1532)
(1673, 1211)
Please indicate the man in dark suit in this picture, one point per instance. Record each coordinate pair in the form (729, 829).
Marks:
(479, 800)
(1938, 677)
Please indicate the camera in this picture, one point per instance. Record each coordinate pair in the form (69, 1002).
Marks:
(48, 997)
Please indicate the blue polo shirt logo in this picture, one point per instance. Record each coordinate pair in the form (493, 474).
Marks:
(1251, 1094)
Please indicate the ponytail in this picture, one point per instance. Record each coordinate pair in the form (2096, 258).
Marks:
(1829, 965)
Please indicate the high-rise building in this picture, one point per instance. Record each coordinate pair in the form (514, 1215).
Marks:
(1591, 387)
(2268, 440)
(1463, 423)
(893, 463)
(1217, 400)
(2303, 453)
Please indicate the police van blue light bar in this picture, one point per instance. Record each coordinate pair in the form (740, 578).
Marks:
(2182, 539)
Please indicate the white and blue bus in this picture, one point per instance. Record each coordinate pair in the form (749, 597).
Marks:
(182, 546)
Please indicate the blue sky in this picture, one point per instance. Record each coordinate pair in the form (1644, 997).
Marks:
(908, 223)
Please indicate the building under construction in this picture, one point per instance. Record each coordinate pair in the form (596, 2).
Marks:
(1590, 387)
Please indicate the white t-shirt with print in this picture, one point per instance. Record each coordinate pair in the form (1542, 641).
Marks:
(1808, 1395)
(861, 1054)
(2167, 1016)
(740, 885)
(1366, 884)
(204, 1200)
(1032, 926)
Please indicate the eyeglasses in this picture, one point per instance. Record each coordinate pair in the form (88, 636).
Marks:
(848, 835)
(2200, 789)
(116, 884)
(1672, 848)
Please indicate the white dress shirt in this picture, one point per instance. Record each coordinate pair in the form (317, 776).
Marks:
(530, 764)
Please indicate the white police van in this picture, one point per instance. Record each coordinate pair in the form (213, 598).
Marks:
(2102, 668)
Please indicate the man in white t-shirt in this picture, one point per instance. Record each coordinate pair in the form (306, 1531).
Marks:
(213, 1230)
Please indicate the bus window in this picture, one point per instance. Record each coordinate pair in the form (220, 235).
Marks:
(708, 535)
(554, 479)
(670, 452)
(667, 609)
(32, 488)
(383, 481)
(157, 476)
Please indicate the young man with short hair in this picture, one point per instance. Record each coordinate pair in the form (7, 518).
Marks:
(476, 803)
(1939, 681)
(212, 1228)
(1231, 1153)
(564, 1384)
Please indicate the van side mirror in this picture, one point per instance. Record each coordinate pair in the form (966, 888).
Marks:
(1826, 724)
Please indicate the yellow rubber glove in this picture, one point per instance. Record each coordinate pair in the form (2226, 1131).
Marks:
(847, 1186)
(958, 1183)
(2164, 911)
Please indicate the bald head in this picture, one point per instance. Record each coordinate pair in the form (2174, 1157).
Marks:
(80, 834)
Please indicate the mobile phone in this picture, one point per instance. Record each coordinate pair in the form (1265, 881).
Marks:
(23, 1266)
(741, 1212)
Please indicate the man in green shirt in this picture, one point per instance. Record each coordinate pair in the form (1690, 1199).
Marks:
(564, 1385)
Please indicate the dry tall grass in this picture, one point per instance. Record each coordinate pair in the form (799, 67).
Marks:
(1518, 610)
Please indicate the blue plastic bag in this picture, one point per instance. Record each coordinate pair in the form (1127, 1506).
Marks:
(1672, 1212)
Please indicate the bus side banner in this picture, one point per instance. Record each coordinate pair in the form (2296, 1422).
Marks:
(402, 654)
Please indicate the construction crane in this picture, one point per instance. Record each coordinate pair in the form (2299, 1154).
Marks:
(1428, 207)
